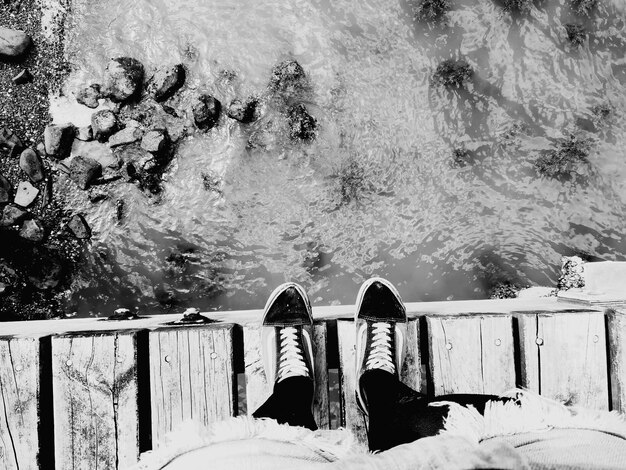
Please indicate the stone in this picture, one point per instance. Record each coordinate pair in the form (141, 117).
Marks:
(32, 230)
(26, 193)
(5, 196)
(99, 152)
(241, 111)
(12, 215)
(103, 124)
(79, 227)
(6, 189)
(9, 141)
(453, 73)
(13, 43)
(24, 76)
(83, 170)
(124, 76)
(97, 196)
(89, 96)
(155, 141)
(137, 160)
(46, 197)
(31, 164)
(288, 77)
(166, 81)
(58, 139)
(126, 136)
(302, 126)
(206, 112)
(84, 133)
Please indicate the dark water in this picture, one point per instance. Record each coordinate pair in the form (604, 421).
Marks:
(378, 192)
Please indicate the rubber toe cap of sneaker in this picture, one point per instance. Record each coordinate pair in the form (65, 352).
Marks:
(379, 302)
(289, 308)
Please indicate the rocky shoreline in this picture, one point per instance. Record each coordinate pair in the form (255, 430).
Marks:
(136, 125)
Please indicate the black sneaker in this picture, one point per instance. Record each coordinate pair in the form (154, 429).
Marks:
(287, 348)
(380, 320)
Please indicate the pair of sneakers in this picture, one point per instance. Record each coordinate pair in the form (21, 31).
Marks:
(380, 321)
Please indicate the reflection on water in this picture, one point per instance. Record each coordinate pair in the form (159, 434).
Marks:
(380, 191)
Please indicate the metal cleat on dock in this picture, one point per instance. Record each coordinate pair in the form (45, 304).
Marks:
(192, 316)
(122, 314)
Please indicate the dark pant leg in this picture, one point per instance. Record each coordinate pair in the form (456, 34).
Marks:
(398, 414)
(290, 403)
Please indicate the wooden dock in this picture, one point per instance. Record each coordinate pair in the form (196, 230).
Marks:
(90, 393)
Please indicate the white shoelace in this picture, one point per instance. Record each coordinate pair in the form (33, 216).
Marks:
(380, 356)
(291, 362)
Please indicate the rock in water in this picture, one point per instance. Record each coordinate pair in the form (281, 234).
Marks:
(31, 164)
(288, 77)
(302, 126)
(103, 124)
(166, 81)
(124, 76)
(13, 43)
(12, 215)
(126, 136)
(453, 73)
(89, 96)
(84, 133)
(155, 141)
(83, 170)
(26, 194)
(243, 111)
(32, 230)
(79, 227)
(206, 112)
(58, 139)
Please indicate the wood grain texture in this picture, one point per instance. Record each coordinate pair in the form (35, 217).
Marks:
(19, 403)
(95, 400)
(192, 377)
(471, 354)
(568, 362)
(351, 416)
(529, 352)
(257, 388)
(617, 358)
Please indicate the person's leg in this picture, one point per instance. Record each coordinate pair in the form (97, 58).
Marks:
(288, 357)
(290, 403)
(397, 414)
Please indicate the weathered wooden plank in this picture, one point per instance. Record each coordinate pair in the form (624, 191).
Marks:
(321, 404)
(351, 416)
(471, 354)
(617, 358)
(257, 388)
(95, 400)
(529, 354)
(568, 361)
(19, 403)
(192, 376)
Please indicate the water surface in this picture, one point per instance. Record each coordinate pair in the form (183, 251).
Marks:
(377, 192)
